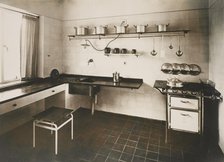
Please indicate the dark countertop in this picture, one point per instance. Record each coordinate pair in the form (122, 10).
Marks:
(206, 89)
(102, 81)
(27, 88)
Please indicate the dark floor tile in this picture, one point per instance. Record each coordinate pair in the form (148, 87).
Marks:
(164, 151)
(143, 140)
(142, 145)
(129, 150)
(126, 157)
(118, 147)
(115, 154)
(138, 159)
(140, 152)
(108, 145)
(152, 155)
(131, 143)
(121, 141)
(115, 133)
(111, 139)
(164, 158)
(124, 135)
(154, 141)
(153, 148)
(100, 158)
(111, 160)
(150, 160)
(104, 151)
(133, 137)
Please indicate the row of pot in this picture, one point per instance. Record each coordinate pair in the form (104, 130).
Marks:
(175, 68)
(120, 29)
(108, 50)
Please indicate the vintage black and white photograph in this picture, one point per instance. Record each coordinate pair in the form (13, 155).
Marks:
(111, 80)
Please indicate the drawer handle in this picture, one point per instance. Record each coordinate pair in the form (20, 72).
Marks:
(188, 115)
(53, 90)
(184, 101)
(14, 105)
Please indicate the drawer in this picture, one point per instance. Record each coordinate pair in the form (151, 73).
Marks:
(184, 120)
(26, 100)
(182, 102)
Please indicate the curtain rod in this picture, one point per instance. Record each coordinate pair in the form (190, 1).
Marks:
(14, 9)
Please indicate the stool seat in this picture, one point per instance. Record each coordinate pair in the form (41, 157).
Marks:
(53, 119)
(54, 115)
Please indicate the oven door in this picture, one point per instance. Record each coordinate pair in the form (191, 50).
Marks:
(185, 120)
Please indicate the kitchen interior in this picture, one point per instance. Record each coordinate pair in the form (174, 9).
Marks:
(143, 80)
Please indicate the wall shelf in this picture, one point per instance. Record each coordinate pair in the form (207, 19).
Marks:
(132, 35)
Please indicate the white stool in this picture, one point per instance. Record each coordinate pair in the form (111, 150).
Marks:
(53, 119)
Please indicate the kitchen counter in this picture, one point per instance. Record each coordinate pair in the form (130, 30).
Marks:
(25, 89)
(102, 81)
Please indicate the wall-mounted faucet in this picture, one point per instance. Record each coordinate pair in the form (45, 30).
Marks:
(90, 61)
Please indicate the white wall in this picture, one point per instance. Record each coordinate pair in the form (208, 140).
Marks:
(216, 57)
(49, 8)
(145, 102)
(81, 9)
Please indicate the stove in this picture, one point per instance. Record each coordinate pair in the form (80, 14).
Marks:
(189, 89)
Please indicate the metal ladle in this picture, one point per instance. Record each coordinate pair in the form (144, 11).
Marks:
(170, 46)
(153, 52)
(179, 52)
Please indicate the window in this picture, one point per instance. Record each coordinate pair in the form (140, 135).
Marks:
(10, 29)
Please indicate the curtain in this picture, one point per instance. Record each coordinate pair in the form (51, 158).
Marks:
(29, 47)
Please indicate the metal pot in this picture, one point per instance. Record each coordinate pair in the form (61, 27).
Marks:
(124, 51)
(107, 50)
(140, 28)
(81, 30)
(174, 82)
(184, 69)
(167, 68)
(176, 68)
(162, 27)
(116, 50)
(195, 69)
(120, 29)
(100, 29)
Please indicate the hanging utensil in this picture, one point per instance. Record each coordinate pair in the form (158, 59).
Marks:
(171, 45)
(179, 52)
(153, 52)
(162, 51)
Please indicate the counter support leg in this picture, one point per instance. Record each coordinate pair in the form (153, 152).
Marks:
(93, 104)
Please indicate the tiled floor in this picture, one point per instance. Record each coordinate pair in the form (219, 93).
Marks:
(106, 137)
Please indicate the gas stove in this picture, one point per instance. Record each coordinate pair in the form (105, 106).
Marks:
(189, 89)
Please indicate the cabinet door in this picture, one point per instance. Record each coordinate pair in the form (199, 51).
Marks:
(184, 120)
(185, 103)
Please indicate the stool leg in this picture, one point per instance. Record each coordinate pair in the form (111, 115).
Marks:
(34, 132)
(72, 127)
(56, 141)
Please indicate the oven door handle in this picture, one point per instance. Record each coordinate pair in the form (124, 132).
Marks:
(184, 101)
(187, 115)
